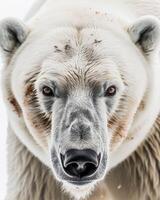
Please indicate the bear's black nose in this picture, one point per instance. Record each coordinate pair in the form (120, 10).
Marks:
(80, 163)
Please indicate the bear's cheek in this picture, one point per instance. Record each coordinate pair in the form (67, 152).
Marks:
(120, 124)
(38, 124)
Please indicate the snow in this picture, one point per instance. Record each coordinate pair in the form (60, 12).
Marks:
(8, 8)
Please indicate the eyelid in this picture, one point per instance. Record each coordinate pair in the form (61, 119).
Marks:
(118, 84)
(50, 84)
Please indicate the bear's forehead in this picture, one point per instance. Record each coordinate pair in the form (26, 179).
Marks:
(69, 42)
(70, 54)
(73, 46)
(77, 47)
(78, 54)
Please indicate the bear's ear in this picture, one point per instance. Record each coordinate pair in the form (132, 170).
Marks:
(12, 34)
(145, 33)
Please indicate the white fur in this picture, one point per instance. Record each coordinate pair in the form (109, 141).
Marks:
(56, 17)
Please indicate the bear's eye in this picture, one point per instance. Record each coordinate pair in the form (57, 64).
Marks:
(111, 91)
(47, 91)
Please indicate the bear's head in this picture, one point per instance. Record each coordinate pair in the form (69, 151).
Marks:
(76, 94)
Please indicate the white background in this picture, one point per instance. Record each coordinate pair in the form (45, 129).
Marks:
(8, 8)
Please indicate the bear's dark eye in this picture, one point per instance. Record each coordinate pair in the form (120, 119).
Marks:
(47, 91)
(111, 91)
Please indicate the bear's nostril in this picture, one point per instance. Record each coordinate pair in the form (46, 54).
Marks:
(76, 170)
(80, 163)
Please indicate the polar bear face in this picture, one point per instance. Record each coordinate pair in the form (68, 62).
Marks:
(78, 91)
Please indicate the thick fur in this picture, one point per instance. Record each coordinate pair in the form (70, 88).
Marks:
(135, 178)
(131, 140)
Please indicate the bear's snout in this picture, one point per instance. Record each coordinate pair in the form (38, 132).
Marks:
(80, 164)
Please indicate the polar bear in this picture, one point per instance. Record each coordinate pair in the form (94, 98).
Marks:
(81, 87)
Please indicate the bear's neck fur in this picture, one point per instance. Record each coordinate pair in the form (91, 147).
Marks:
(137, 176)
